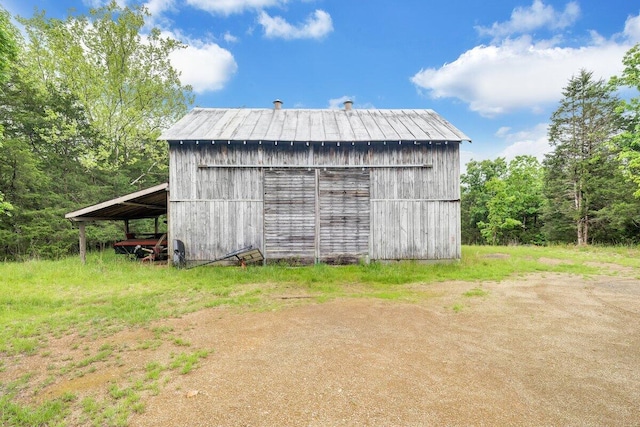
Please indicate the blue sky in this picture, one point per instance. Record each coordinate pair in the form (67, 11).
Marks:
(494, 69)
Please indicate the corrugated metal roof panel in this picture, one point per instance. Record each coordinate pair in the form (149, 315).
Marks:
(148, 203)
(245, 124)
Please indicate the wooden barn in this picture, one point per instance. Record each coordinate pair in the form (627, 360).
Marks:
(302, 185)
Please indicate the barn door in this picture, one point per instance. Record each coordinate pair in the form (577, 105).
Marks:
(289, 214)
(344, 215)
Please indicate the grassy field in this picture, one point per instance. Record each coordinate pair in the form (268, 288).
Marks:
(42, 300)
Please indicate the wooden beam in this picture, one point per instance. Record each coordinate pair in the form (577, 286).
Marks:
(309, 167)
(87, 212)
(143, 205)
(170, 247)
(83, 242)
(109, 218)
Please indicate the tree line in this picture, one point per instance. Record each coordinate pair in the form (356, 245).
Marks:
(586, 190)
(83, 100)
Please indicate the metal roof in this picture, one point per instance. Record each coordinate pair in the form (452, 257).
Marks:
(148, 203)
(247, 124)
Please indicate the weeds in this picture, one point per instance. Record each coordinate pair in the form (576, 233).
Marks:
(476, 292)
(185, 363)
(51, 413)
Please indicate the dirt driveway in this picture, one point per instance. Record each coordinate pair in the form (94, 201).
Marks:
(537, 350)
(543, 350)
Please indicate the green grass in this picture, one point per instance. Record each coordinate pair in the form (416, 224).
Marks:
(185, 362)
(44, 299)
(476, 292)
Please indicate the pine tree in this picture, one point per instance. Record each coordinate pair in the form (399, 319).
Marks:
(580, 129)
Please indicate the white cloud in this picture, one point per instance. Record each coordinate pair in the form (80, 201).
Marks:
(517, 74)
(533, 142)
(466, 156)
(228, 7)
(204, 65)
(317, 25)
(100, 3)
(158, 7)
(632, 29)
(338, 103)
(230, 38)
(538, 15)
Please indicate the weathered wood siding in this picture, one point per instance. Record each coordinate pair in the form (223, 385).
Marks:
(290, 214)
(344, 215)
(299, 201)
(215, 211)
(415, 212)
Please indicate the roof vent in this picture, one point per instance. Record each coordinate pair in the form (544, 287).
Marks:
(277, 104)
(348, 104)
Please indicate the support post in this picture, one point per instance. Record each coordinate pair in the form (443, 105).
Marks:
(83, 242)
(170, 247)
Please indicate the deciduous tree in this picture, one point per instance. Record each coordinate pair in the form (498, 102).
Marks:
(628, 141)
(122, 78)
(475, 195)
(8, 55)
(502, 202)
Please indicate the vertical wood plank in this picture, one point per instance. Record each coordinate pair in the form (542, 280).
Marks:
(344, 215)
(290, 214)
(82, 241)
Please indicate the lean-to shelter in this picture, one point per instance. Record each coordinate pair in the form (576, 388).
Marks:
(147, 203)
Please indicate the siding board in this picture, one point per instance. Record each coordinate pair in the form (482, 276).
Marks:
(344, 215)
(289, 214)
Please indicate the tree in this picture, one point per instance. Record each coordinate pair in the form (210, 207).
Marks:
(123, 80)
(8, 44)
(515, 204)
(502, 202)
(46, 135)
(580, 129)
(475, 195)
(628, 141)
(82, 106)
(500, 221)
(8, 55)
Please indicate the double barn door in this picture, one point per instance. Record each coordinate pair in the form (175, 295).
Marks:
(316, 214)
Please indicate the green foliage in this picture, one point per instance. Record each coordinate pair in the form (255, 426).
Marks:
(8, 44)
(82, 103)
(502, 202)
(581, 183)
(499, 219)
(475, 195)
(123, 79)
(628, 141)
